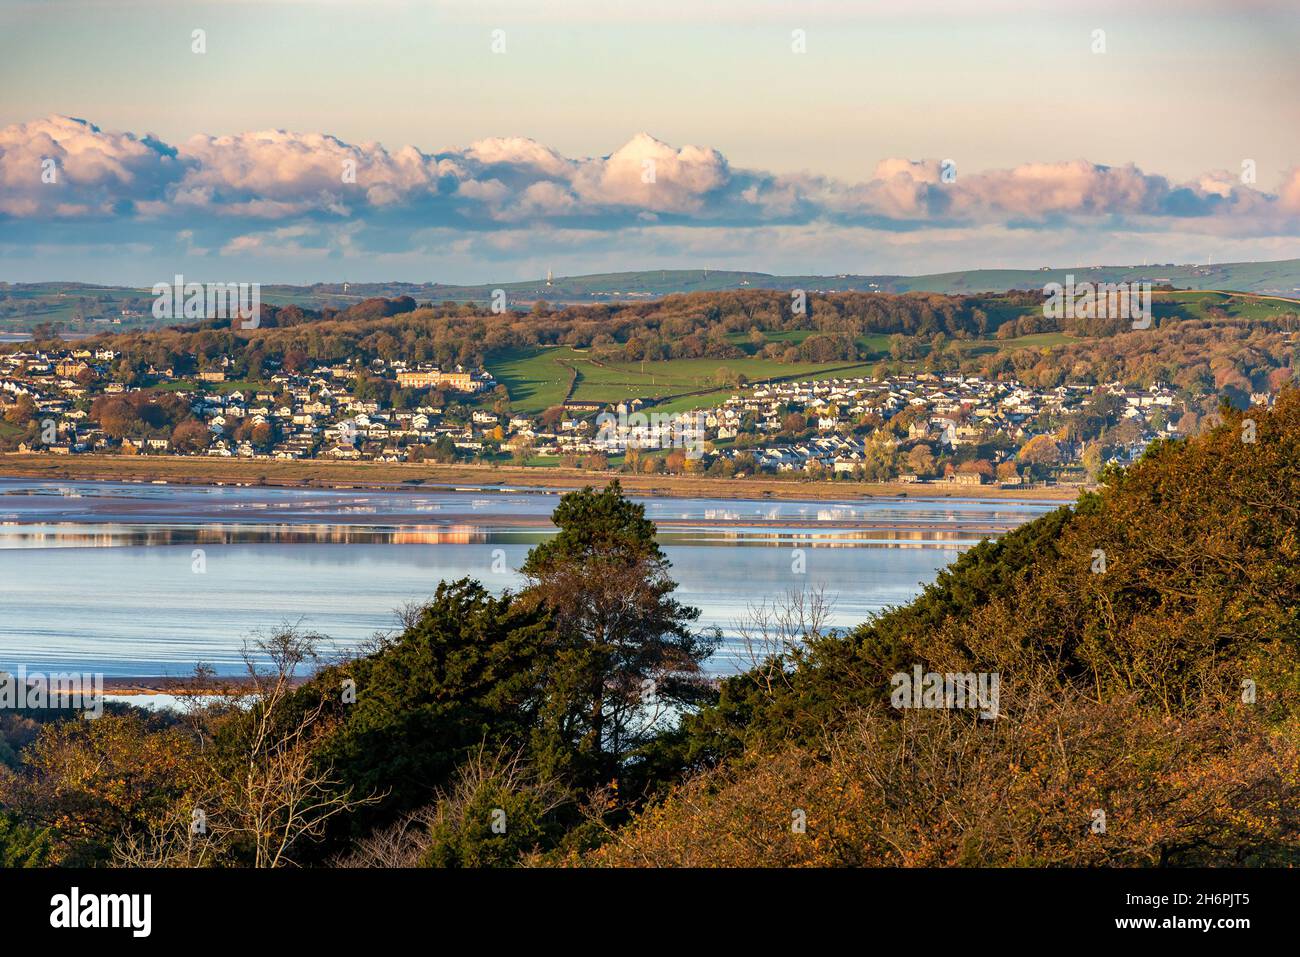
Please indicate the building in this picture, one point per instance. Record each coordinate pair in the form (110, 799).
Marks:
(437, 379)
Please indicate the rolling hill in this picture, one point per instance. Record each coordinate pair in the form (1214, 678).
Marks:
(78, 305)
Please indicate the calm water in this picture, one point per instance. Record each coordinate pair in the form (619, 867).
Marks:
(135, 579)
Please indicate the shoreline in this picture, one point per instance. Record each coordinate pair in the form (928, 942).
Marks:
(384, 476)
(184, 472)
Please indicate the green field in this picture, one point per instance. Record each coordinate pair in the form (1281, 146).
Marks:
(541, 378)
(1197, 305)
(536, 378)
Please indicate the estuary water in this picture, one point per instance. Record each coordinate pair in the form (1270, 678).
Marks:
(132, 579)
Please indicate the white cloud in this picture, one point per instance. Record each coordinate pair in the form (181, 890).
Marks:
(65, 167)
(282, 194)
(280, 175)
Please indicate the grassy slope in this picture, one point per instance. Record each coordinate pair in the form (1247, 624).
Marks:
(1196, 305)
(540, 378)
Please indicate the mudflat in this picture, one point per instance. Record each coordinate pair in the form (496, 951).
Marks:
(319, 473)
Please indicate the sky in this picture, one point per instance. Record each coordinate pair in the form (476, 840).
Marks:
(492, 140)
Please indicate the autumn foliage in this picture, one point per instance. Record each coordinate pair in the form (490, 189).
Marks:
(1147, 644)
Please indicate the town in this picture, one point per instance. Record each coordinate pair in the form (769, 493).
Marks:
(954, 429)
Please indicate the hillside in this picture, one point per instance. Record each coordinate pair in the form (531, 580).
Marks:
(1281, 278)
(1146, 646)
(1272, 278)
(544, 376)
(79, 305)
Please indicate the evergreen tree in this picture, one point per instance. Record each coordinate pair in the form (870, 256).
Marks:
(627, 657)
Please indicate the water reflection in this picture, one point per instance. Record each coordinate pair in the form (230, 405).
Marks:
(102, 577)
(119, 535)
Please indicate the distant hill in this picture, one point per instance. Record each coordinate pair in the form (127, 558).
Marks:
(1271, 278)
(1281, 278)
(81, 306)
